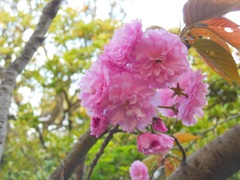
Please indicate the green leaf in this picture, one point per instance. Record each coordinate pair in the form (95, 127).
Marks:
(218, 58)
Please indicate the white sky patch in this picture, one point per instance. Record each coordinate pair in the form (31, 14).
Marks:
(167, 14)
(234, 16)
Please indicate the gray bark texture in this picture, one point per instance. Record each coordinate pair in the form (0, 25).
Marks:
(74, 157)
(10, 73)
(218, 160)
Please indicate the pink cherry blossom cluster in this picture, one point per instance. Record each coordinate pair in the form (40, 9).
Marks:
(139, 75)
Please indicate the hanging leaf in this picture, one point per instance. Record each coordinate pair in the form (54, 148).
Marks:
(218, 58)
(226, 29)
(193, 34)
(199, 10)
(183, 137)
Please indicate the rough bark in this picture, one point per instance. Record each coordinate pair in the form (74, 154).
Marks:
(80, 170)
(74, 157)
(10, 73)
(217, 160)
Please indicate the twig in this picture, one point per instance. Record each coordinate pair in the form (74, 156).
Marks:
(211, 129)
(101, 151)
(181, 148)
(219, 123)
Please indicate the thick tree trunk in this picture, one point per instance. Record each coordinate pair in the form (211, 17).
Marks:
(9, 74)
(217, 160)
(74, 157)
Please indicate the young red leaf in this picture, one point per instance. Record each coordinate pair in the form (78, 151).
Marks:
(226, 29)
(199, 10)
(218, 58)
(193, 34)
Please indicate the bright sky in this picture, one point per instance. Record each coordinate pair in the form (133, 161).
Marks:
(164, 13)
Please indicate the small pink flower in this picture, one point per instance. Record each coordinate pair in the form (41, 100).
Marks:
(160, 57)
(154, 143)
(99, 125)
(139, 171)
(187, 96)
(158, 125)
(120, 47)
(129, 102)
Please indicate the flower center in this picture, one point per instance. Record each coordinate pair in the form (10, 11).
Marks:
(159, 59)
(178, 91)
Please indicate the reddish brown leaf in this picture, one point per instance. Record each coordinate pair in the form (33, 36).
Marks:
(226, 29)
(218, 58)
(198, 10)
(202, 33)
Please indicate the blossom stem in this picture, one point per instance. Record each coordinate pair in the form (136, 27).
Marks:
(167, 107)
(101, 151)
(173, 107)
(180, 148)
(152, 130)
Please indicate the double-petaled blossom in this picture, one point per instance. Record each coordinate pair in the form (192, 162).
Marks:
(119, 49)
(129, 102)
(139, 171)
(158, 125)
(99, 125)
(187, 98)
(154, 143)
(93, 88)
(160, 57)
(136, 74)
(117, 94)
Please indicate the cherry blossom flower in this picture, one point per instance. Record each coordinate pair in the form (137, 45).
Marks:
(139, 171)
(158, 125)
(129, 102)
(119, 49)
(154, 143)
(191, 107)
(93, 87)
(187, 98)
(99, 125)
(160, 57)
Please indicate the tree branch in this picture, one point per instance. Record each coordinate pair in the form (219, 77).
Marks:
(217, 160)
(101, 150)
(10, 73)
(74, 157)
(80, 170)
